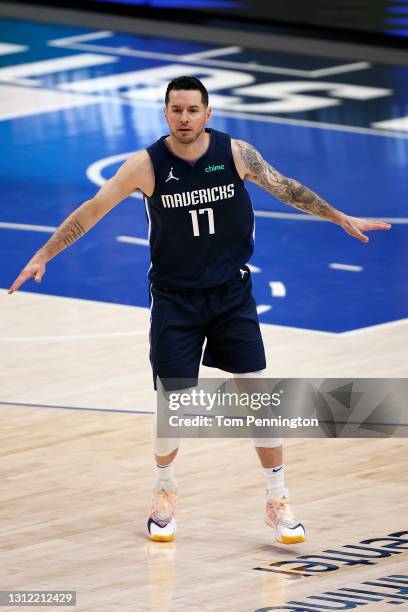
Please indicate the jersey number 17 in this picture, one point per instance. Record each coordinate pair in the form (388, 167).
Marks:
(194, 220)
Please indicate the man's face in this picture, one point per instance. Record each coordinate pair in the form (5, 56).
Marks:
(186, 115)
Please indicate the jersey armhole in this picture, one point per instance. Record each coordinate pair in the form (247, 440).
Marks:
(231, 159)
(154, 174)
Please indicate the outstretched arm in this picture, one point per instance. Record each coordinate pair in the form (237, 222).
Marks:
(290, 191)
(134, 173)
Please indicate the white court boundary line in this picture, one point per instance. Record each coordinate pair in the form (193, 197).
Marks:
(47, 229)
(60, 42)
(133, 240)
(268, 326)
(321, 72)
(377, 326)
(346, 267)
(103, 336)
(201, 57)
(74, 337)
(306, 217)
(212, 53)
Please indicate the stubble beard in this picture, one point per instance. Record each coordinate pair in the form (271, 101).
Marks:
(189, 140)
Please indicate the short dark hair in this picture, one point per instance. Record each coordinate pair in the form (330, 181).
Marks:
(189, 83)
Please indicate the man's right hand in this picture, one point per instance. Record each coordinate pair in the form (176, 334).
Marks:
(136, 173)
(35, 268)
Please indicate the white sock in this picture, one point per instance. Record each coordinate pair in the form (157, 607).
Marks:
(165, 476)
(275, 481)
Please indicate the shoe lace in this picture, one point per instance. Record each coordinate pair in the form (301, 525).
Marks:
(283, 509)
(163, 503)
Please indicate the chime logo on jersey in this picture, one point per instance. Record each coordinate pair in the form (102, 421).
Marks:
(214, 168)
(198, 196)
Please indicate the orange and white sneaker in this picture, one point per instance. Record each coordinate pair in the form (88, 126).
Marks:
(288, 530)
(161, 524)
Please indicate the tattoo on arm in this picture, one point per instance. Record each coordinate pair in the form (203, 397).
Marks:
(73, 232)
(285, 189)
(63, 237)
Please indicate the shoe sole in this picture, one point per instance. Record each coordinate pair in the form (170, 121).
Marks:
(291, 539)
(161, 538)
(158, 537)
(287, 539)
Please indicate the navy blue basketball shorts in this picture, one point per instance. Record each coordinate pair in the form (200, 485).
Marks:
(182, 320)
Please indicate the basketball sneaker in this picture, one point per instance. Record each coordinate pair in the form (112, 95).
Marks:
(278, 514)
(161, 524)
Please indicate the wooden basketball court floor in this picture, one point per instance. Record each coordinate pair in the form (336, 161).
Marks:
(76, 475)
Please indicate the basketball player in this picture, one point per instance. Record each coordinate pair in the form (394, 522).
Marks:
(201, 225)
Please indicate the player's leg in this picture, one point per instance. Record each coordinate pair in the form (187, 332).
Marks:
(161, 524)
(176, 340)
(278, 513)
(235, 345)
(165, 451)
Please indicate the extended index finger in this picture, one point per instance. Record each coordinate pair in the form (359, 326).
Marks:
(377, 225)
(17, 283)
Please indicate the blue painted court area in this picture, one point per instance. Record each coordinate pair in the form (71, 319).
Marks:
(74, 103)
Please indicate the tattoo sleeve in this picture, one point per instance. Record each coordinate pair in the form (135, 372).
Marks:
(285, 189)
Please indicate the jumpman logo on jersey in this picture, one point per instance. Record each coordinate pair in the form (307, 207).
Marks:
(171, 176)
(243, 272)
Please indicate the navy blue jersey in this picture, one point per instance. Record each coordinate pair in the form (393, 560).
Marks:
(200, 215)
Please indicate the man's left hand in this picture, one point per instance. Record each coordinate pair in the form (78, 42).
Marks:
(355, 226)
